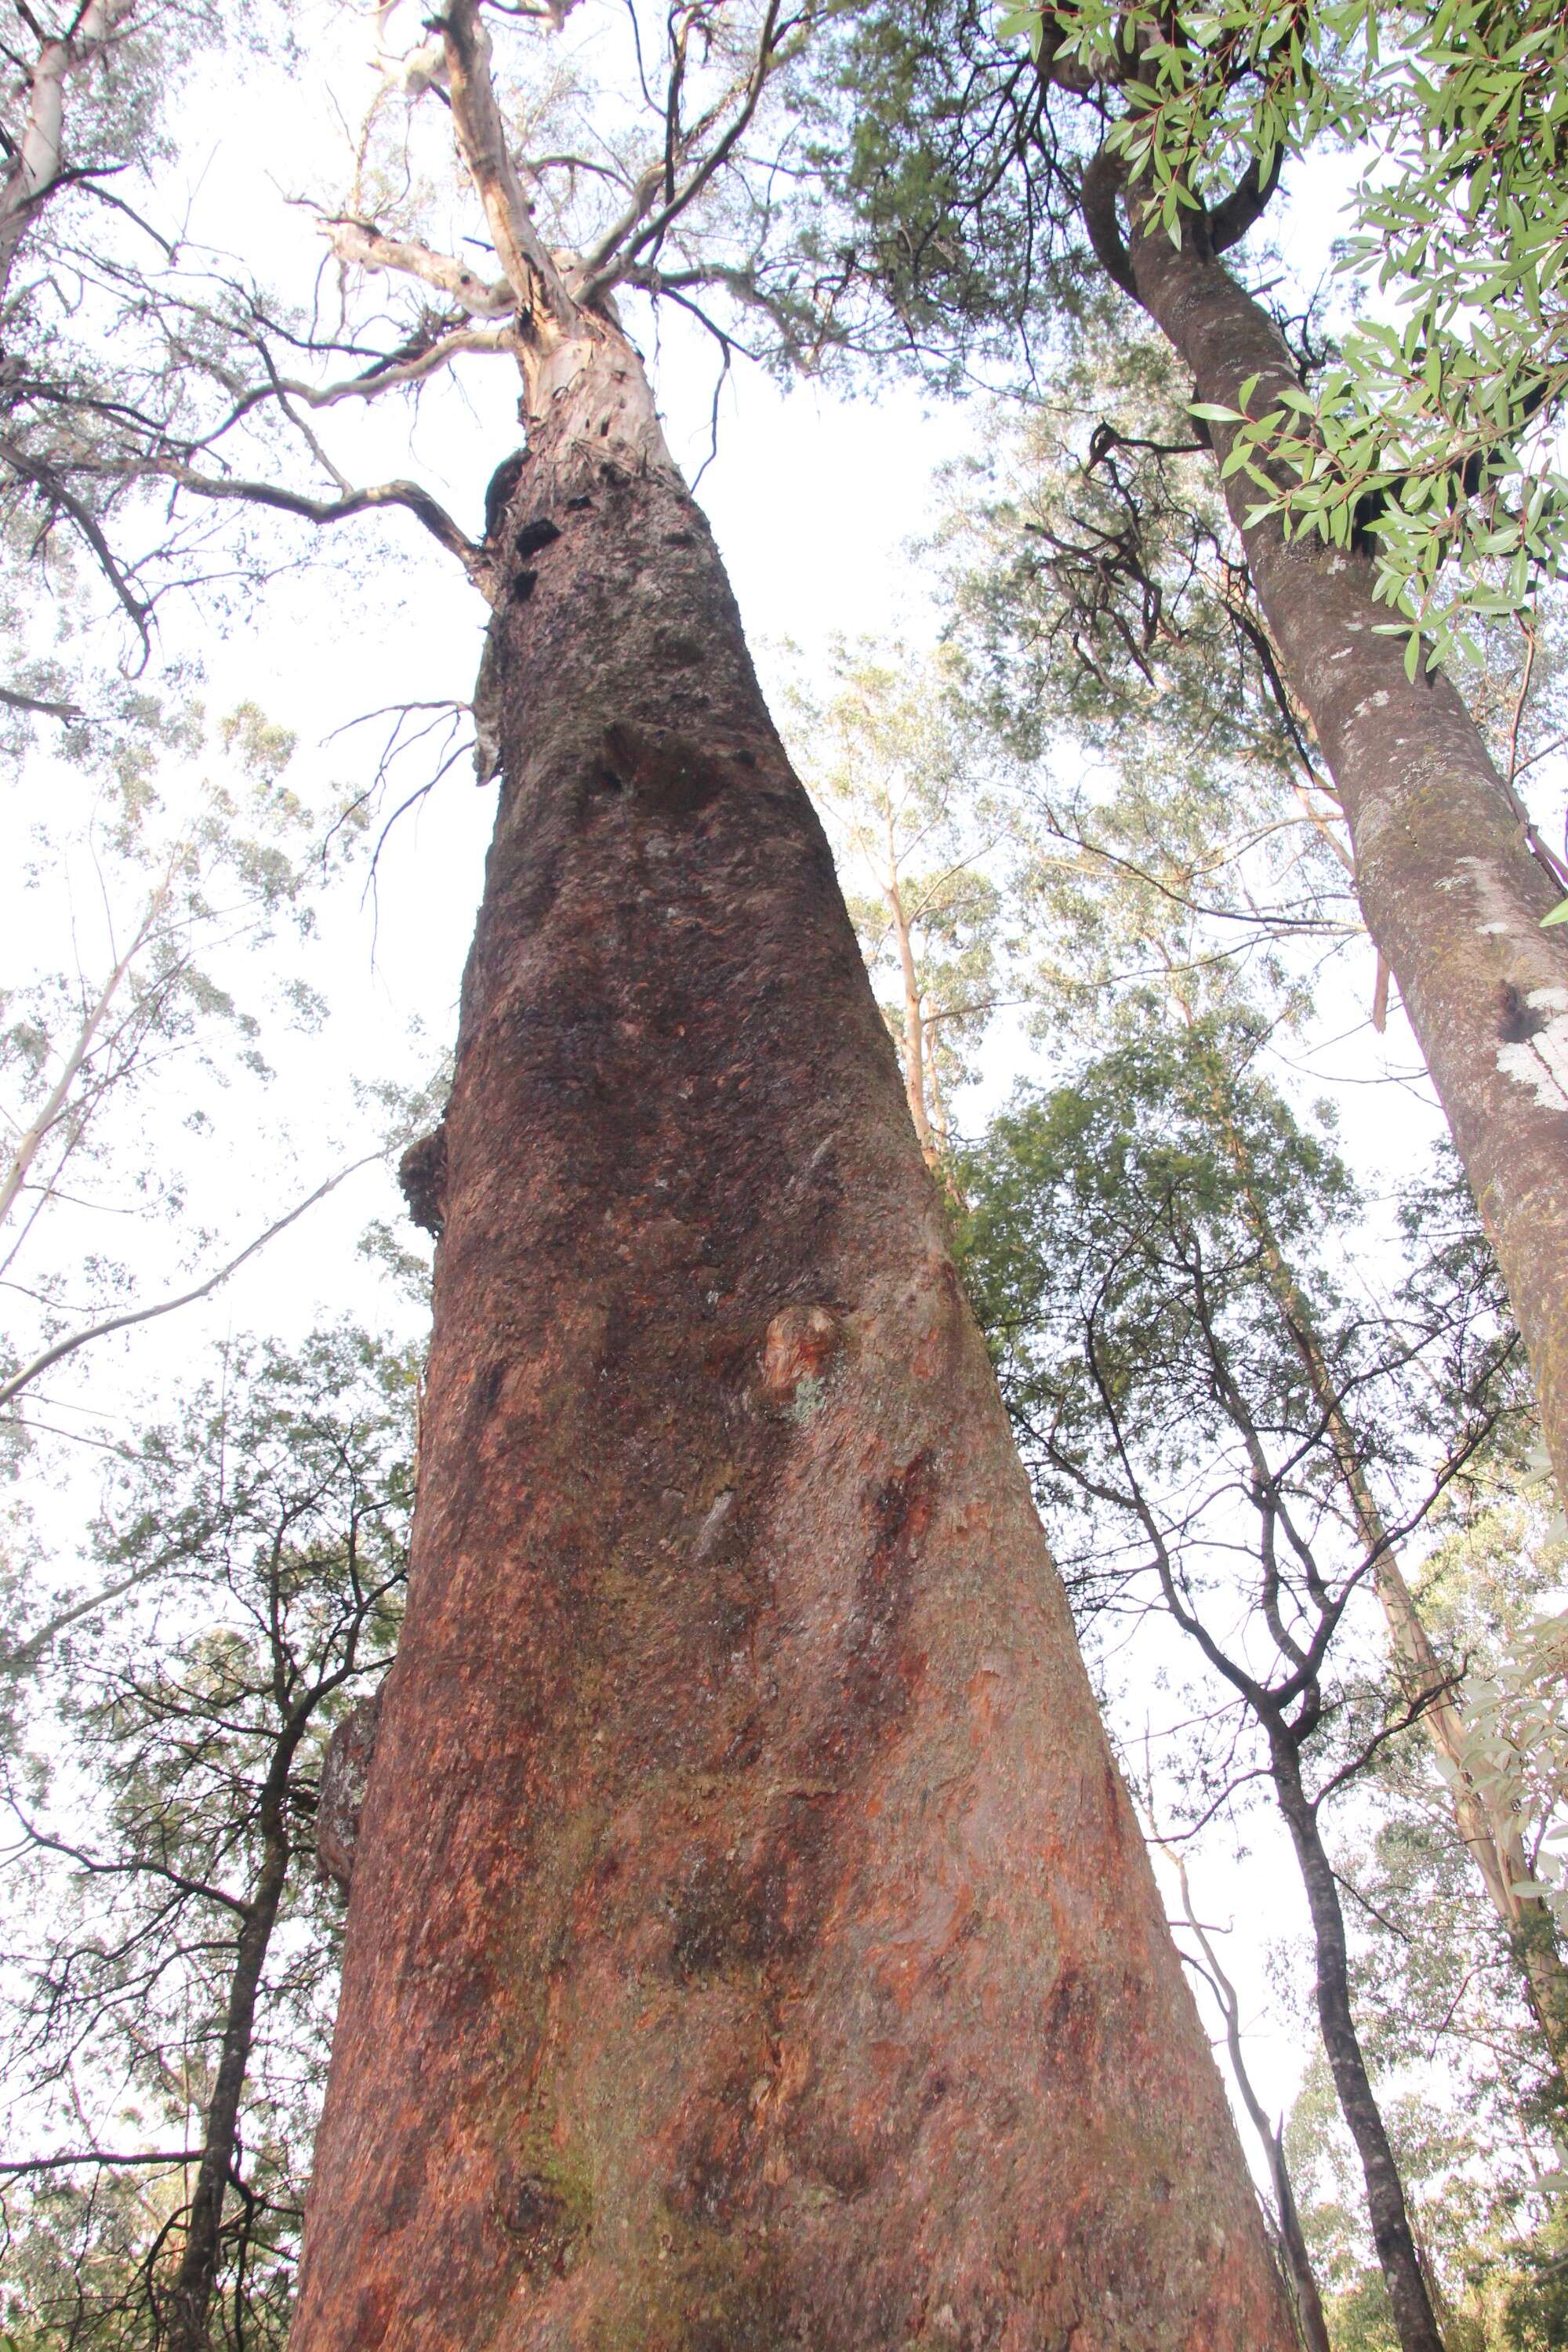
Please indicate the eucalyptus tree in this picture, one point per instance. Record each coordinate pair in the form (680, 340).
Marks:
(1142, 147)
(1434, 1973)
(1436, 1993)
(1182, 863)
(1116, 1254)
(916, 822)
(175, 858)
(170, 1947)
(79, 47)
(1107, 633)
(91, 87)
(741, 1854)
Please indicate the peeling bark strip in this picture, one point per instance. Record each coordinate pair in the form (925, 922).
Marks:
(1450, 893)
(750, 1943)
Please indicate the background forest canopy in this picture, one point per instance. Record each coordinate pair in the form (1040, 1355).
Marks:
(1175, 1026)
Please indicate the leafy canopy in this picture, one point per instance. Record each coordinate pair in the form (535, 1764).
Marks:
(1432, 429)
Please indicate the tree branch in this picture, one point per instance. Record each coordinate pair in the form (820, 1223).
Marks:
(1097, 192)
(418, 502)
(99, 2155)
(369, 247)
(16, 700)
(44, 479)
(535, 281)
(75, 1341)
(1229, 220)
(387, 375)
(600, 271)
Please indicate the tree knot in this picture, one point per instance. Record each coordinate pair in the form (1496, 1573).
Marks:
(801, 1343)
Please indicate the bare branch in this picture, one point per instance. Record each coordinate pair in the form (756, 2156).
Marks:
(99, 2155)
(610, 259)
(16, 700)
(369, 247)
(387, 376)
(75, 1341)
(418, 502)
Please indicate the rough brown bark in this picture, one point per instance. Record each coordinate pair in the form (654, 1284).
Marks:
(1451, 896)
(1387, 2210)
(750, 1943)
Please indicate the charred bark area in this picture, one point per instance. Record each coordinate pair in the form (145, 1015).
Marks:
(345, 1771)
(750, 1945)
(1450, 893)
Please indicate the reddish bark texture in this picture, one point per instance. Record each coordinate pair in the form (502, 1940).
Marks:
(751, 1944)
(1450, 893)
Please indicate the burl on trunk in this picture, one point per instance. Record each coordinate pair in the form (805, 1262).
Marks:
(751, 1944)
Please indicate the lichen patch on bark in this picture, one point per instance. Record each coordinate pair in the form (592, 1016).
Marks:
(801, 1343)
(1534, 1048)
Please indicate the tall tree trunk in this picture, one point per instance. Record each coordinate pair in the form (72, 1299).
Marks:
(1391, 2230)
(36, 159)
(1297, 2261)
(1482, 1806)
(751, 1944)
(189, 2306)
(1484, 1809)
(942, 1132)
(914, 1024)
(1451, 896)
